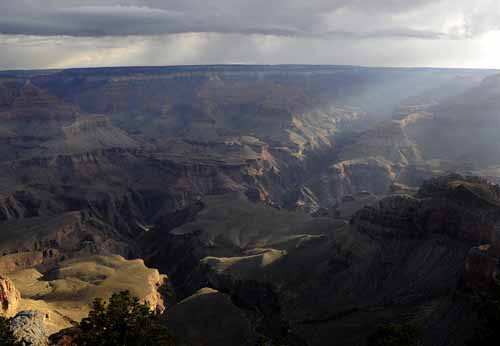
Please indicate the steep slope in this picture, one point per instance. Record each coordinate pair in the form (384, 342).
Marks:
(464, 127)
(372, 161)
(31, 111)
(434, 133)
(201, 318)
(10, 297)
(402, 259)
(213, 174)
(222, 226)
(89, 134)
(45, 240)
(274, 132)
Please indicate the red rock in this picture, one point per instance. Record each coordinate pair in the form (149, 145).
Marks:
(9, 297)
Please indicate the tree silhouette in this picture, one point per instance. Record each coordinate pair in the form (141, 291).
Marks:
(7, 338)
(124, 321)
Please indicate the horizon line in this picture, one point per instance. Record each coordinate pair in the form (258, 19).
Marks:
(246, 65)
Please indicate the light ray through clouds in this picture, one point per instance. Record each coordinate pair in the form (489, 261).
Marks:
(70, 33)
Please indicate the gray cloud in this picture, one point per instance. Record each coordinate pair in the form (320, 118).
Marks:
(152, 17)
(65, 33)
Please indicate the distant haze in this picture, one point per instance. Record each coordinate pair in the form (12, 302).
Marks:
(70, 33)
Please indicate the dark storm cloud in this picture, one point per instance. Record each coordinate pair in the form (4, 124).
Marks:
(69, 33)
(149, 17)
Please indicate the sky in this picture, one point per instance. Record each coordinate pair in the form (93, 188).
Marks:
(411, 33)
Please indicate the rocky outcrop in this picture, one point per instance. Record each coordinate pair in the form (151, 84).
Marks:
(29, 259)
(35, 114)
(46, 240)
(465, 208)
(10, 298)
(387, 140)
(403, 257)
(54, 293)
(28, 328)
(344, 178)
(154, 298)
(180, 240)
(91, 133)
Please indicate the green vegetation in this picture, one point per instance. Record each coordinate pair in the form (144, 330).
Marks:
(265, 341)
(6, 336)
(123, 321)
(395, 335)
(488, 333)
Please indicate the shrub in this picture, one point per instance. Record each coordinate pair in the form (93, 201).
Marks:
(6, 336)
(265, 341)
(395, 335)
(488, 333)
(124, 321)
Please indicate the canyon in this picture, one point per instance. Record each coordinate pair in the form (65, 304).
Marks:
(308, 204)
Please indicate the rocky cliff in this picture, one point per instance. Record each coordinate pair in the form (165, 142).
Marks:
(10, 297)
(403, 258)
(286, 196)
(64, 292)
(29, 329)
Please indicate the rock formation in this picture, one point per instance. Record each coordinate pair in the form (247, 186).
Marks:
(65, 292)
(29, 329)
(10, 298)
(284, 198)
(401, 255)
